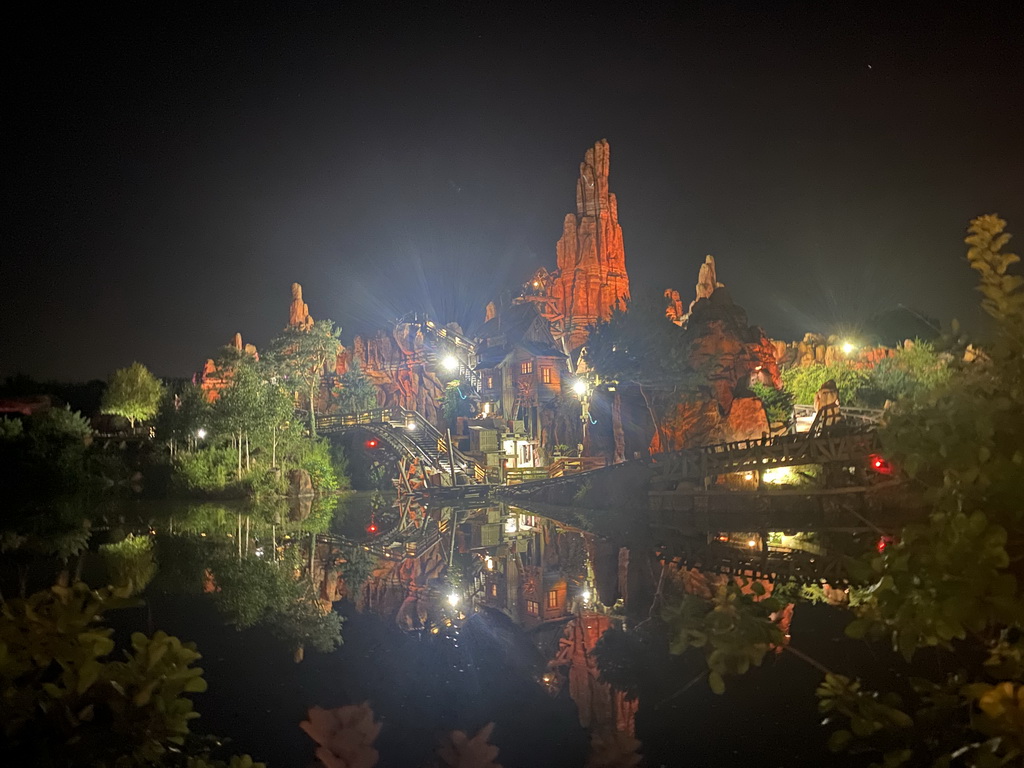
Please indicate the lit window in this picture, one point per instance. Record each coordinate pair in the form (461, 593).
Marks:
(490, 382)
(493, 590)
(526, 367)
(533, 607)
(553, 598)
(545, 375)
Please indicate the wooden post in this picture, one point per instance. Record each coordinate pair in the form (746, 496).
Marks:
(451, 458)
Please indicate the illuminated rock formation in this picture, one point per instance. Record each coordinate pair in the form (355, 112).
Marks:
(397, 364)
(298, 312)
(816, 349)
(591, 279)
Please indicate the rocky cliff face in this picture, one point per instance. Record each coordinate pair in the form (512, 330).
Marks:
(591, 279)
(395, 362)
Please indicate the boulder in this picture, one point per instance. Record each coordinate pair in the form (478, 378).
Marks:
(299, 483)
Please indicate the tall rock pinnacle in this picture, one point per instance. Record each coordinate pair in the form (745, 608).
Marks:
(592, 277)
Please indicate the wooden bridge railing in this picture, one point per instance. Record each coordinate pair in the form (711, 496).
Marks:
(337, 421)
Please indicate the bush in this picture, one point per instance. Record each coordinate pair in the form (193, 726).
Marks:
(314, 456)
(208, 470)
(805, 380)
(778, 403)
(912, 371)
(130, 562)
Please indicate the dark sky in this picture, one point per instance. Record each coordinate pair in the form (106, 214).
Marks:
(169, 173)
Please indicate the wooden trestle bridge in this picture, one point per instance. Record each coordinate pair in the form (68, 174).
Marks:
(712, 506)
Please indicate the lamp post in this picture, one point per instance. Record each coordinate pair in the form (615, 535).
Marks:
(582, 389)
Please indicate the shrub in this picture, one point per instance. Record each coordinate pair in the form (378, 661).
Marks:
(314, 456)
(912, 371)
(130, 562)
(209, 469)
(778, 403)
(805, 380)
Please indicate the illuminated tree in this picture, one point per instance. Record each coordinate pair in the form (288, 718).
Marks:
(301, 355)
(133, 393)
(355, 392)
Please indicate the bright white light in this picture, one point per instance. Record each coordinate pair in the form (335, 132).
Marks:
(579, 387)
(450, 363)
(585, 595)
(751, 543)
(490, 563)
(848, 348)
(411, 426)
(453, 599)
(201, 434)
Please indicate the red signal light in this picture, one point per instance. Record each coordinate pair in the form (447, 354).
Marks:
(371, 528)
(371, 443)
(880, 465)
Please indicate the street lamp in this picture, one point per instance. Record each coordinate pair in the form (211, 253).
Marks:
(580, 387)
(201, 433)
(450, 363)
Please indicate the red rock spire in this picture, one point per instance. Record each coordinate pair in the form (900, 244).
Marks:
(592, 277)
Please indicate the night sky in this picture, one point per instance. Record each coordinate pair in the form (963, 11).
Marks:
(169, 173)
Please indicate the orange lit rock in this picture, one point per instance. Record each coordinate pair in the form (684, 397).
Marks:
(298, 312)
(591, 278)
(673, 306)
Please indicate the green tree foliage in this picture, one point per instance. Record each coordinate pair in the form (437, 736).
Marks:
(301, 356)
(183, 412)
(254, 591)
(133, 393)
(910, 372)
(639, 345)
(131, 563)
(354, 391)
(732, 629)
(453, 403)
(952, 582)
(66, 702)
(803, 381)
(778, 403)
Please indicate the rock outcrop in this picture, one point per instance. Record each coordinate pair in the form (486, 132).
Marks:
(727, 353)
(298, 312)
(591, 278)
(816, 349)
(396, 363)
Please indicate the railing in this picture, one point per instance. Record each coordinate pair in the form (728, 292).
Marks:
(463, 463)
(332, 421)
(852, 415)
(567, 465)
(525, 475)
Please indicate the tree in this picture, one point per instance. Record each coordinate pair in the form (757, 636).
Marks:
(301, 355)
(133, 393)
(183, 413)
(355, 392)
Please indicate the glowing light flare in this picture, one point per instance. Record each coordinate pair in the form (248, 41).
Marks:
(450, 363)
(579, 387)
(453, 599)
(849, 348)
(585, 595)
(201, 433)
(371, 443)
(751, 543)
